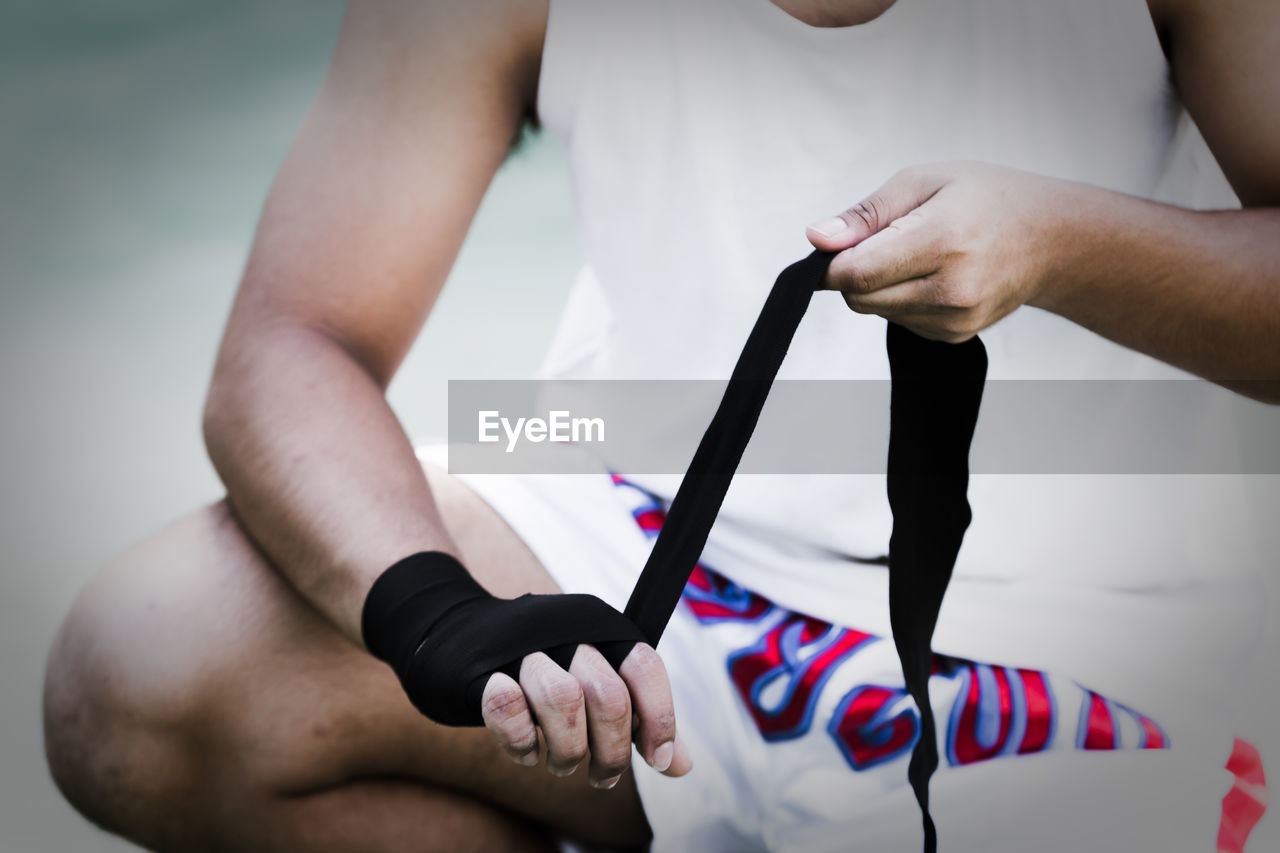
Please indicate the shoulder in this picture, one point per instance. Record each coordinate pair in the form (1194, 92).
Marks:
(496, 44)
(1185, 20)
(1225, 55)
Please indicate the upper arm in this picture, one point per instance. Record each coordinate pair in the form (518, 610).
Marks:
(420, 106)
(1226, 65)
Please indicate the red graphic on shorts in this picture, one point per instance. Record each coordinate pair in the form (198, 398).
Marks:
(1100, 726)
(797, 655)
(713, 597)
(1039, 711)
(971, 743)
(1246, 802)
(1153, 738)
(998, 711)
(650, 520)
(869, 731)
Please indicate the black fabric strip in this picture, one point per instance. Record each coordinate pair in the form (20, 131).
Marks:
(697, 502)
(937, 389)
(444, 635)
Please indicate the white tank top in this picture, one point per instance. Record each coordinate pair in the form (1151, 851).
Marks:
(704, 136)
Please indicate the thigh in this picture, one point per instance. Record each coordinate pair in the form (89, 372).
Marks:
(197, 629)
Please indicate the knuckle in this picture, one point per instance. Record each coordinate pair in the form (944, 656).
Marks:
(514, 738)
(911, 222)
(589, 665)
(968, 297)
(644, 661)
(613, 706)
(522, 741)
(536, 668)
(934, 293)
(849, 274)
(503, 704)
(947, 297)
(853, 300)
(861, 280)
(949, 243)
(956, 332)
(951, 294)
(869, 212)
(565, 695)
(605, 691)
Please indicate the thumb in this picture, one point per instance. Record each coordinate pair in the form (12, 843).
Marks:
(903, 193)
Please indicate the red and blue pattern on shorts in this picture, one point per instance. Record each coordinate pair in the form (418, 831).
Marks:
(997, 711)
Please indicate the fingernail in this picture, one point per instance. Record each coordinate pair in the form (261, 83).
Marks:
(529, 758)
(662, 757)
(606, 784)
(563, 771)
(830, 227)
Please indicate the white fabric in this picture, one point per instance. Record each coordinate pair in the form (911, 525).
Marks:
(746, 794)
(704, 136)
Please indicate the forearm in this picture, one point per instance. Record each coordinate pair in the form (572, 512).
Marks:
(1200, 290)
(317, 468)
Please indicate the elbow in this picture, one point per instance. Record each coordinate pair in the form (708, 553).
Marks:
(246, 360)
(216, 418)
(228, 402)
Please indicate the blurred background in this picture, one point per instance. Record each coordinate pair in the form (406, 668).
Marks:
(137, 143)
(139, 138)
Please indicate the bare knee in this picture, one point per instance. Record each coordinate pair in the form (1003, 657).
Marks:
(122, 694)
(193, 695)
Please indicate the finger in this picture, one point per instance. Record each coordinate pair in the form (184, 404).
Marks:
(681, 762)
(915, 296)
(608, 716)
(506, 715)
(911, 247)
(556, 700)
(901, 194)
(655, 734)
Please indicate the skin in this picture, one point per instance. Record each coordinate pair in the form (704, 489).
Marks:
(303, 367)
(834, 13)
(210, 691)
(949, 249)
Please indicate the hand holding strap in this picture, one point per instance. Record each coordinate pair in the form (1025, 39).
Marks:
(444, 635)
(937, 389)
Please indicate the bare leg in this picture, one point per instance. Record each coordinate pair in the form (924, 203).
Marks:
(194, 701)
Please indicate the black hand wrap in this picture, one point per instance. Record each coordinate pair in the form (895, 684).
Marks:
(444, 635)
